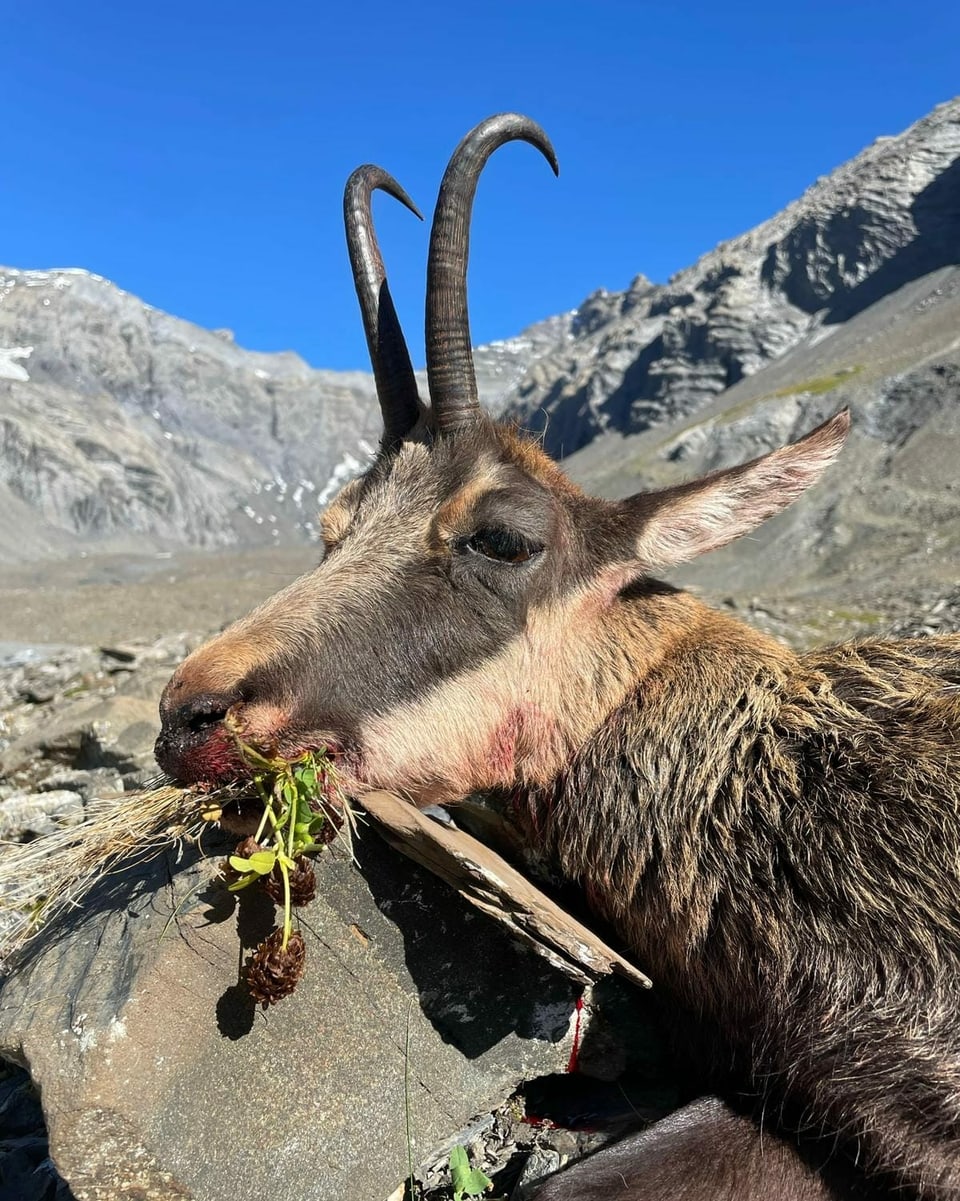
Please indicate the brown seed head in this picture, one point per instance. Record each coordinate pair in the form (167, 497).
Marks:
(303, 883)
(272, 973)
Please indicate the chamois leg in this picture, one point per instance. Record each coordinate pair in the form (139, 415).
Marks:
(703, 1152)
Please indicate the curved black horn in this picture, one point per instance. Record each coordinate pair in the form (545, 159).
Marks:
(392, 369)
(453, 384)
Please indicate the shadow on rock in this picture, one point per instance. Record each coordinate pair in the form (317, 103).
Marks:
(26, 1170)
(137, 890)
(851, 235)
(474, 983)
(256, 918)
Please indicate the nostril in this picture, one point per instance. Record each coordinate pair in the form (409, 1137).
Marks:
(192, 746)
(201, 713)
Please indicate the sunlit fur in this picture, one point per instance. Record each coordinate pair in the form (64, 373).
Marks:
(777, 839)
(703, 1152)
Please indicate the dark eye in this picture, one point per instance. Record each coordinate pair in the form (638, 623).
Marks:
(505, 546)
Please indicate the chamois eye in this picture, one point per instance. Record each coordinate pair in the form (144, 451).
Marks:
(505, 546)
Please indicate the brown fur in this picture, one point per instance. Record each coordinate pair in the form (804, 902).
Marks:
(704, 1152)
(778, 841)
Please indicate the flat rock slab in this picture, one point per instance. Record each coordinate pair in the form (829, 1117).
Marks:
(159, 1078)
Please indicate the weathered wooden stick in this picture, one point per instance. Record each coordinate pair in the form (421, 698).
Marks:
(488, 881)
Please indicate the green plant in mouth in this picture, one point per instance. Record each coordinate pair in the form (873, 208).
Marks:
(303, 810)
(299, 819)
(293, 821)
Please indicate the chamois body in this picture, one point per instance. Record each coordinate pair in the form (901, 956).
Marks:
(703, 1152)
(777, 839)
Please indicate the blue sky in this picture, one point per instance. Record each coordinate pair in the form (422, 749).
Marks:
(195, 153)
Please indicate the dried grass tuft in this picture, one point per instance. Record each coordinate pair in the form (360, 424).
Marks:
(40, 880)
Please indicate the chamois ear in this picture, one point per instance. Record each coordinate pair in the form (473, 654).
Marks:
(677, 524)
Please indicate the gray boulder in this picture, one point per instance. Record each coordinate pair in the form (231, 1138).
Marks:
(159, 1077)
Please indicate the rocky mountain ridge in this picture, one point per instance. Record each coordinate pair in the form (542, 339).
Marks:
(123, 428)
(658, 352)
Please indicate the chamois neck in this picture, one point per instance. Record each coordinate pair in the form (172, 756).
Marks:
(661, 784)
(744, 799)
(692, 634)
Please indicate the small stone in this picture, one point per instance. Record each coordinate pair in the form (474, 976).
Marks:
(564, 1143)
(35, 694)
(91, 785)
(541, 1163)
(119, 654)
(31, 814)
(142, 777)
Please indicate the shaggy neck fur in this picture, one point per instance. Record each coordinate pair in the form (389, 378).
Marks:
(776, 838)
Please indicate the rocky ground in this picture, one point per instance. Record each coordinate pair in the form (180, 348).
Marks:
(76, 723)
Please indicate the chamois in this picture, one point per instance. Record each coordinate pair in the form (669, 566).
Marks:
(775, 836)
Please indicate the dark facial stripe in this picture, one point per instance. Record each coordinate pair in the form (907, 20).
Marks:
(423, 629)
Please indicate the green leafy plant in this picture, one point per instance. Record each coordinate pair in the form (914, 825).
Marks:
(303, 809)
(467, 1181)
(302, 812)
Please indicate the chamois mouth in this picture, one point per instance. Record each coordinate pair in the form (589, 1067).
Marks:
(210, 760)
(241, 802)
(202, 744)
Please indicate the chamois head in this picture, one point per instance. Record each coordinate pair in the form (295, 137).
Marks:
(475, 616)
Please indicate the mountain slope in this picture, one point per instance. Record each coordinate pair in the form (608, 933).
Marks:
(125, 429)
(658, 352)
(884, 523)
